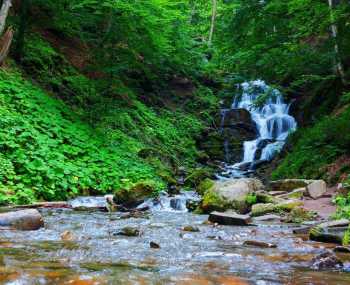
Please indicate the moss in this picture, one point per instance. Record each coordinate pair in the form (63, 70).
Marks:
(346, 238)
(204, 186)
(135, 194)
(212, 202)
(299, 215)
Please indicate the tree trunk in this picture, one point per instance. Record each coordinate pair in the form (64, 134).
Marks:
(6, 5)
(5, 43)
(339, 69)
(213, 18)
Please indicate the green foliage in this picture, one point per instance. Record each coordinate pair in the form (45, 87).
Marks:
(343, 207)
(251, 199)
(346, 238)
(48, 152)
(316, 147)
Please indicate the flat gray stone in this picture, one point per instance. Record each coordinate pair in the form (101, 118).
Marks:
(316, 189)
(267, 218)
(229, 218)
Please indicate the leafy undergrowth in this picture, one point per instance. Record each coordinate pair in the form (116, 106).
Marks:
(49, 152)
(316, 148)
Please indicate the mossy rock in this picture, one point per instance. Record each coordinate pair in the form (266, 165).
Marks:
(262, 197)
(204, 186)
(288, 205)
(212, 202)
(262, 209)
(135, 195)
(328, 235)
(299, 215)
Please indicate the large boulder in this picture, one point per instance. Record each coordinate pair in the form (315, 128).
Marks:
(231, 194)
(316, 189)
(134, 196)
(25, 220)
(232, 117)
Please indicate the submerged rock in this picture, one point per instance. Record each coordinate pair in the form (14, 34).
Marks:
(190, 229)
(259, 244)
(129, 232)
(326, 260)
(67, 236)
(24, 220)
(229, 218)
(316, 189)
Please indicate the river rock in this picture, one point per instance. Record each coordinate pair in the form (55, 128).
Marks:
(336, 223)
(259, 244)
(288, 185)
(229, 218)
(190, 229)
(25, 220)
(233, 192)
(262, 209)
(316, 189)
(232, 117)
(328, 235)
(326, 260)
(267, 218)
(129, 232)
(342, 249)
(135, 196)
(154, 245)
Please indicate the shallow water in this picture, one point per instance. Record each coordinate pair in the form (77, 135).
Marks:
(215, 255)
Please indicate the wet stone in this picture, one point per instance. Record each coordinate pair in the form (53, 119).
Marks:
(190, 229)
(229, 218)
(343, 249)
(267, 218)
(154, 245)
(261, 244)
(128, 231)
(326, 260)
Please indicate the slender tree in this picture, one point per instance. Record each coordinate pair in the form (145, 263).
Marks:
(213, 19)
(334, 32)
(6, 39)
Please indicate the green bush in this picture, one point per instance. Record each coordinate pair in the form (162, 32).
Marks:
(316, 147)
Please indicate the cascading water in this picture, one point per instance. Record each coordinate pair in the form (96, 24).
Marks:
(272, 120)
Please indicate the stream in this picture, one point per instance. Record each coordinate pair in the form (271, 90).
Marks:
(214, 255)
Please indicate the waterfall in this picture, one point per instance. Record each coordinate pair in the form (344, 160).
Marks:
(272, 120)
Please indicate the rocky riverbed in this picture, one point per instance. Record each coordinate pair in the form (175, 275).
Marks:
(170, 247)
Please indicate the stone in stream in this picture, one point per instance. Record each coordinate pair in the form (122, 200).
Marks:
(342, 249)
(316, 189)
(154, 245)
(328, 235)
(25, 220)
(259, 244)
(229, 218)
(67, 236)
(129, 232)
(326, 260)
(230, 194)
(190, 229)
